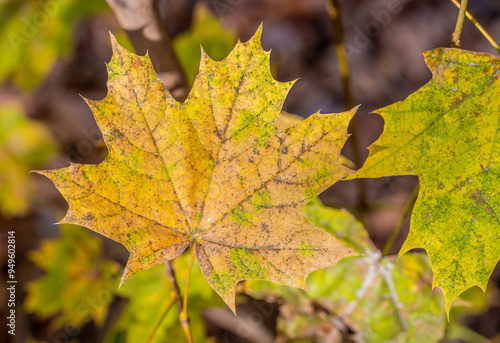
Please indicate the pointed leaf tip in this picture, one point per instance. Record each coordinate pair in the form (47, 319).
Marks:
(114, 43)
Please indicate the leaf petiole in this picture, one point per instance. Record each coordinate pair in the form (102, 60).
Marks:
(183, 317)
(397, 229)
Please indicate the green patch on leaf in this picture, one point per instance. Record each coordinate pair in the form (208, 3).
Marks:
(261, 200)
(252, 261)
(242, 217)
(306, 249)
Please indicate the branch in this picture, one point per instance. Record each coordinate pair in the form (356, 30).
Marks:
(140, 20)
(338, 38)
(479, 27)
(173, 282)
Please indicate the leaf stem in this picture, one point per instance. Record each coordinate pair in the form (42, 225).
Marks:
(479, 27)
(399, 224)
(455, 38)
(338, 38)
(184, 305)
(169, 306)
(184, 318)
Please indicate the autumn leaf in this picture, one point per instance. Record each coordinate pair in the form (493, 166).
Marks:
(213, 171)
(379, 298)
(383, 299)
(447, 134)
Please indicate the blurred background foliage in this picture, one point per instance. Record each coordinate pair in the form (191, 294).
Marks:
(53, 52)
(207, 32)
(37, 34)
(74, 272)
(24, 145)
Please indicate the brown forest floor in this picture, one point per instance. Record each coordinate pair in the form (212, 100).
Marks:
(386, 66)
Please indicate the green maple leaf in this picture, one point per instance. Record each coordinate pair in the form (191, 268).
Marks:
(213, 171)
(447, 134)
(383, 299)
(75, 276)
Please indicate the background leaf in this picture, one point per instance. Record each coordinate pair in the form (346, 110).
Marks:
(24, 144)
(150, 289)
(35, 34)
(447, 134)
(78, 283)
(206, 33)
(380, 299)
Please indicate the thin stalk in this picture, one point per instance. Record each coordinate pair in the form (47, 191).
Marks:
(338, 38)
(184, 305)
(455, 38)
(479, 27)
(399, 224)
(169, 306)
(173, 282)
(184, 315)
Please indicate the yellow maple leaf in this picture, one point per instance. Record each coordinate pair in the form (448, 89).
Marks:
(212, 171)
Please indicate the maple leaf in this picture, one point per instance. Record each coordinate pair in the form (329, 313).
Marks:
(75, 276)
(213, 171)
(447, 134)
(380, 299)
(383, 299)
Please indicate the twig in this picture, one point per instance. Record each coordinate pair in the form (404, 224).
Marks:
(455, 38)
(338, 38)
(175, 287)
(399, 224)
(479, 27)
(173, 282)
(141, 21)
(169, 306)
